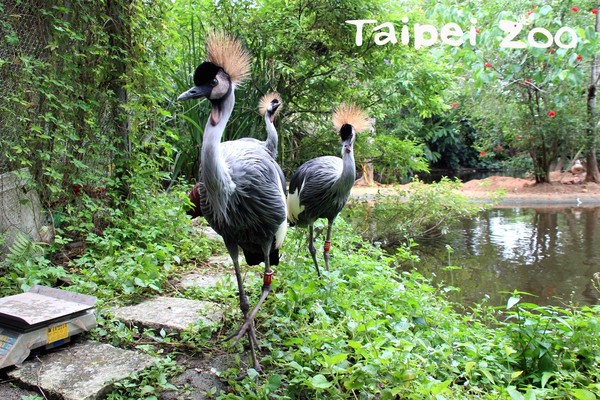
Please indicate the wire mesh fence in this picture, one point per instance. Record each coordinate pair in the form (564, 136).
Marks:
(57, 112)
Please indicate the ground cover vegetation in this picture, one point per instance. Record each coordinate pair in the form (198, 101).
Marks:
(88, 107)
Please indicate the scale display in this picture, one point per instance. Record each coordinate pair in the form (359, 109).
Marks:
(43, 316)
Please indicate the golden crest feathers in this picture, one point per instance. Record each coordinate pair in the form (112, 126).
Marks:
(230, 54)
(351, 114)
(266, 100)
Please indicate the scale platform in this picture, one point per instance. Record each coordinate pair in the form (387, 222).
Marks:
(44, 316)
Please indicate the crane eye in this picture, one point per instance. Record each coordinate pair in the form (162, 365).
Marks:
(214, 82)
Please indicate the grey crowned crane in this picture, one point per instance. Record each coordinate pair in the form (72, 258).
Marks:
(320, 187)
(268, 107)
(242, 189)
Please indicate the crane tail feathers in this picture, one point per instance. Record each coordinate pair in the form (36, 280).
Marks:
(280, 234)
(255, 258)
(194, 196)
(293, 206)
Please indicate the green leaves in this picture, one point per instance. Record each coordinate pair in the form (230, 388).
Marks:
(512, 301)
(583, 394)
(319, 382)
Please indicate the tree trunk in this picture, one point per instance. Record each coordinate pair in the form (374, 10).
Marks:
(368, 177)
(593, 175)
(119, 36)
(541, 167)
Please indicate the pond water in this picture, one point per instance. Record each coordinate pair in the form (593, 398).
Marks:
(552, 253)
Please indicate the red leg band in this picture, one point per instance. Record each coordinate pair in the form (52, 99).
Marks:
(267, 278)
(327, 245)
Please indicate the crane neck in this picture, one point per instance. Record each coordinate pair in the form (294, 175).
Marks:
(215, 173)
(272, 139)
(348, 169)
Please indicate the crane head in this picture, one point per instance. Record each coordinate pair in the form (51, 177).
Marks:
(207, 77)
(228, 65)
(269, 105)
(349, 119)
(347, 134)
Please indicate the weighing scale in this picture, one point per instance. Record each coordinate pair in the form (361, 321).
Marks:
(44, 316)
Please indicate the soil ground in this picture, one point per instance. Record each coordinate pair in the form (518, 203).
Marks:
(564, 188)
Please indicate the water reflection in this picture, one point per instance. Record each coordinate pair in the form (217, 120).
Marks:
(551, 253)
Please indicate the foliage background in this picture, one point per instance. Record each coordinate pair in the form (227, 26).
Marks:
(88, 90)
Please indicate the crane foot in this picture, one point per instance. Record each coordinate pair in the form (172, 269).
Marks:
(249, 320)
(248, 328)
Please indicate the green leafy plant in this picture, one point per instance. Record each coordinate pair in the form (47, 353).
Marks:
(137, 252)
(147, 384)
(26, 264)
(420, 210)
(548, 341)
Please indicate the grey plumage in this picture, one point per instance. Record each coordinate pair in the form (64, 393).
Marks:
(320, 187)
(324, 186)
(241, 187)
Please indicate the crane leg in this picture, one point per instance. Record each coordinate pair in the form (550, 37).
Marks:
(248, 326)
(327, 245)
(311, 248)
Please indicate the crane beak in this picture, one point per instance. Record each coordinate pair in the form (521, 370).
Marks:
(347, 146)
(195, 92)
(273, 111)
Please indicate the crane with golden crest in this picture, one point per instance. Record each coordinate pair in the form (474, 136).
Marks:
(241, 187)
(320, 187)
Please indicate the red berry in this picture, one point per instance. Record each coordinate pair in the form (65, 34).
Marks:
(482, 153)
(579, 57)
(575, 9)
(454, 105)
(488, 65)
(594, 11)
(551, 114)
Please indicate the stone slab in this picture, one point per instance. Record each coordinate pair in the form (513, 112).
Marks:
(200, 280)
(220, 260)
(21, 209)
(206, 230)
(169, 313)
(211, 234)
(82, 371)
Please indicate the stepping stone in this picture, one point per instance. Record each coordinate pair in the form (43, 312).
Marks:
(200, 280)
(221, 261)
(209, 276)
(211, 234)
(82, 371)
(170, 313)
(206, 230)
